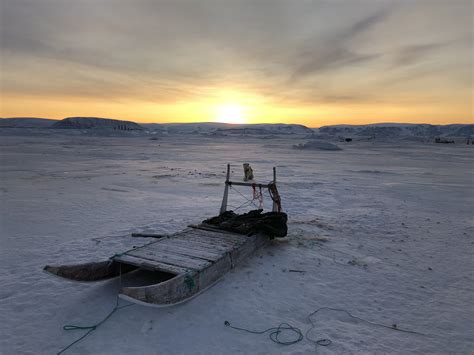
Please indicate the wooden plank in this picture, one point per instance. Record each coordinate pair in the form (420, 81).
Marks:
(235, 238)
(213, 232)
(180, 250)
(170, 258)
(187, 244)
(203, 229)
(201, 233)
(211, 228)
(199, 244)
(238, 183)
(210, 240)
(149, 264)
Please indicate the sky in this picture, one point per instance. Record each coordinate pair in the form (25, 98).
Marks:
(254, 61)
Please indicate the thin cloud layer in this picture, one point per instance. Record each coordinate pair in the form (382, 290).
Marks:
(302, 54)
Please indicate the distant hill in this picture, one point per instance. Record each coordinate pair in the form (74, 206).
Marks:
(216, 129)
(390, 130)
(263, 129)
(96, 123)
(184, 127)
(226, 129)
(26, 122)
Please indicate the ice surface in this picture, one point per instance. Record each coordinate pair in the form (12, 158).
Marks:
(383, 230)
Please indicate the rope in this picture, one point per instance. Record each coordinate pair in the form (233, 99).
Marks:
(248, 201)
(298, 335)
(258, 196)
(275, 332)
(393, 327)
(93, 327)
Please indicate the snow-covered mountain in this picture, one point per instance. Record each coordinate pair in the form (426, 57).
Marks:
(26, 122)
(96, 123)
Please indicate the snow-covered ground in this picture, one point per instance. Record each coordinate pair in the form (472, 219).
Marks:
(383, 230)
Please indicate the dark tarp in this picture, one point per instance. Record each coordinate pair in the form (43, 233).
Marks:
(272, 224)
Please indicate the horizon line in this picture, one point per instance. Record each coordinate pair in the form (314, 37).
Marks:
(237, 124)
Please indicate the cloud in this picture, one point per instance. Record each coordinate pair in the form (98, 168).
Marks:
(287, 51)
(416, 53)
(335, 51)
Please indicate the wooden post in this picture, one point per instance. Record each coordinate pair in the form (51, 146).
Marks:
(275, 206)
(226, 191)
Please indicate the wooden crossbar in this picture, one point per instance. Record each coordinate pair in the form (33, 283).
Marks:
(237, 183)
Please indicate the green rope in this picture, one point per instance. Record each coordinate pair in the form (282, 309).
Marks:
(275, 332)
(91, 328)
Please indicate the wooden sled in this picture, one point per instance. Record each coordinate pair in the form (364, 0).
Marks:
(188, 262)
(185, 263)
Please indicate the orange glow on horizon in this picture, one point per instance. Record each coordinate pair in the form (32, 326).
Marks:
(237, 108)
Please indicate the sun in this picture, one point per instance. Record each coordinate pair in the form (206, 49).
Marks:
(230, 113)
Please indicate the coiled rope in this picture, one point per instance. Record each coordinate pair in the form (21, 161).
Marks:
(275, 332)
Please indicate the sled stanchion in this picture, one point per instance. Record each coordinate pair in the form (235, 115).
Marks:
(275, 205)
(271, 186)
(226, 191)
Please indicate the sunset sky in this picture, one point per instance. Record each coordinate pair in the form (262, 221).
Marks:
(310, 62)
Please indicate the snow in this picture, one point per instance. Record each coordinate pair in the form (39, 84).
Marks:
(383, 230)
